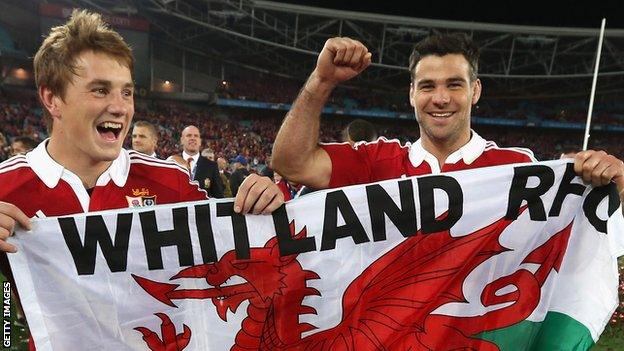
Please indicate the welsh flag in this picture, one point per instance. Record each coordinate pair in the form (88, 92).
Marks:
(518, 257)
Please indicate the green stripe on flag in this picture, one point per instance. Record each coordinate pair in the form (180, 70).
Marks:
(557, 332)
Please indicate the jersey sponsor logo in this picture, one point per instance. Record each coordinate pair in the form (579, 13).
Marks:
(141, 201)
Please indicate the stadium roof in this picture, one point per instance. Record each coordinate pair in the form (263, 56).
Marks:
(517, 60)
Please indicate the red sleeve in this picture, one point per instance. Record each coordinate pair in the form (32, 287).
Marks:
(349, 165)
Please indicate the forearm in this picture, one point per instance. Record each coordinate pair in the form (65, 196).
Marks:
(297, 140)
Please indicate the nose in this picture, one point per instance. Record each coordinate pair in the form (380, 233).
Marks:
(441, 97)
(119, 105)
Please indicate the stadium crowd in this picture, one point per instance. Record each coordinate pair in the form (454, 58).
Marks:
(250, 132)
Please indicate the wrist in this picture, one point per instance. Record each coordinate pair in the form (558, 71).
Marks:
(319, 85)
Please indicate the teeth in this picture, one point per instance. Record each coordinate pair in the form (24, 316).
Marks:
(445, 114)
(111, 125)
(221, 297)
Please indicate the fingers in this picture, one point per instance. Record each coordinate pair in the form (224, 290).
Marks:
(348, 52)
(15, 213)
(243, 191)
(9, 216)
(599, 168)
(258, 195)
(6, 247)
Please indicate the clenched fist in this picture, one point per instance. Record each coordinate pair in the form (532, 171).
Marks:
(341, 59)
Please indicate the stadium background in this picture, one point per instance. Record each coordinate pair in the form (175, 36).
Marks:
(233, 67)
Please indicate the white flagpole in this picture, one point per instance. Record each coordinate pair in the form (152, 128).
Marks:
(593, 88)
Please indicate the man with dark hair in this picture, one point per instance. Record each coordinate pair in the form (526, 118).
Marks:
(21, 145)
(444, 86)
(145, 138)
(359, 130)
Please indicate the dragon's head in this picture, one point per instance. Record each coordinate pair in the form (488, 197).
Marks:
(258, 279)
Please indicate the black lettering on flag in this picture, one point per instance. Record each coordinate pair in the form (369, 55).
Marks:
(155, 240)
(115, 254)
(453, 190)
(287, 244)
(594, 198)
(566, 187)
(205, 234)
(239, 226)
(380, 204)
(519, 191)
(337, 201)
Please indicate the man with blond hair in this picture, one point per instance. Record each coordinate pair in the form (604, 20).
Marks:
(83, 73)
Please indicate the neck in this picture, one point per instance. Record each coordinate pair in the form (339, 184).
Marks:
(441, 149)
(87, 170)
(190, 153)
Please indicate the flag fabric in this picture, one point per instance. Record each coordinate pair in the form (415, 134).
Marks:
(518, 257)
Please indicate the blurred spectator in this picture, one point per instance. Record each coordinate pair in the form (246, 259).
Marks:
(239, 164)
(208, 153)
(21, 145)
(145, 138)
(359, 130)
(225, 176)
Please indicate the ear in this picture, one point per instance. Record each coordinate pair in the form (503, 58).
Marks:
(411, 94)
(476, 91)
(50, 101)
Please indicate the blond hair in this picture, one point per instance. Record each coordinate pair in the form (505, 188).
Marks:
(55, 61)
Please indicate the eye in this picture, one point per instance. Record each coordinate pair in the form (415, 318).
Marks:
(100, 91)
(128, 92)
(426, 87)
(455, 85)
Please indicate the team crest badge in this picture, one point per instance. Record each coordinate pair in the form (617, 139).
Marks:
(141, 201)
(149, 200)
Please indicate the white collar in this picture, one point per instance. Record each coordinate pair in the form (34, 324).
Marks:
(186, 156)
(469, 152)
(50, 172)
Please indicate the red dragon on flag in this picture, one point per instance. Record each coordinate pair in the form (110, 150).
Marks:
(389, 306)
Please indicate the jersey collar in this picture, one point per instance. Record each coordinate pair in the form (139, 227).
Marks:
(468, 153)
(50, 172)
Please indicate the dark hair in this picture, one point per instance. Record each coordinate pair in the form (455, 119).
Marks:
(28, 142)
(445, 44)
(360, 130)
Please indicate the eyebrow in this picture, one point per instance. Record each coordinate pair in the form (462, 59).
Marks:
(106, 83)
(449, 80)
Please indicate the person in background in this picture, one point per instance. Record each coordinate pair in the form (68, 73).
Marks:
(145, 138)
(241, 171)
(21, 145)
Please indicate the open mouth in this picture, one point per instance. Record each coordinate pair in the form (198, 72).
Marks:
(441, 114)
(109, 131)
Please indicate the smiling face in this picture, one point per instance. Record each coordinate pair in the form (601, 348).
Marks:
(92, 119)
(442, 95)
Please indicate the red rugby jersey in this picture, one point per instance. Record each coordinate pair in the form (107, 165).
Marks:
(41, 187)
(388, 159)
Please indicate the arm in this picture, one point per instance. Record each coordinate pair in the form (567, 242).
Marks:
(296, 154)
